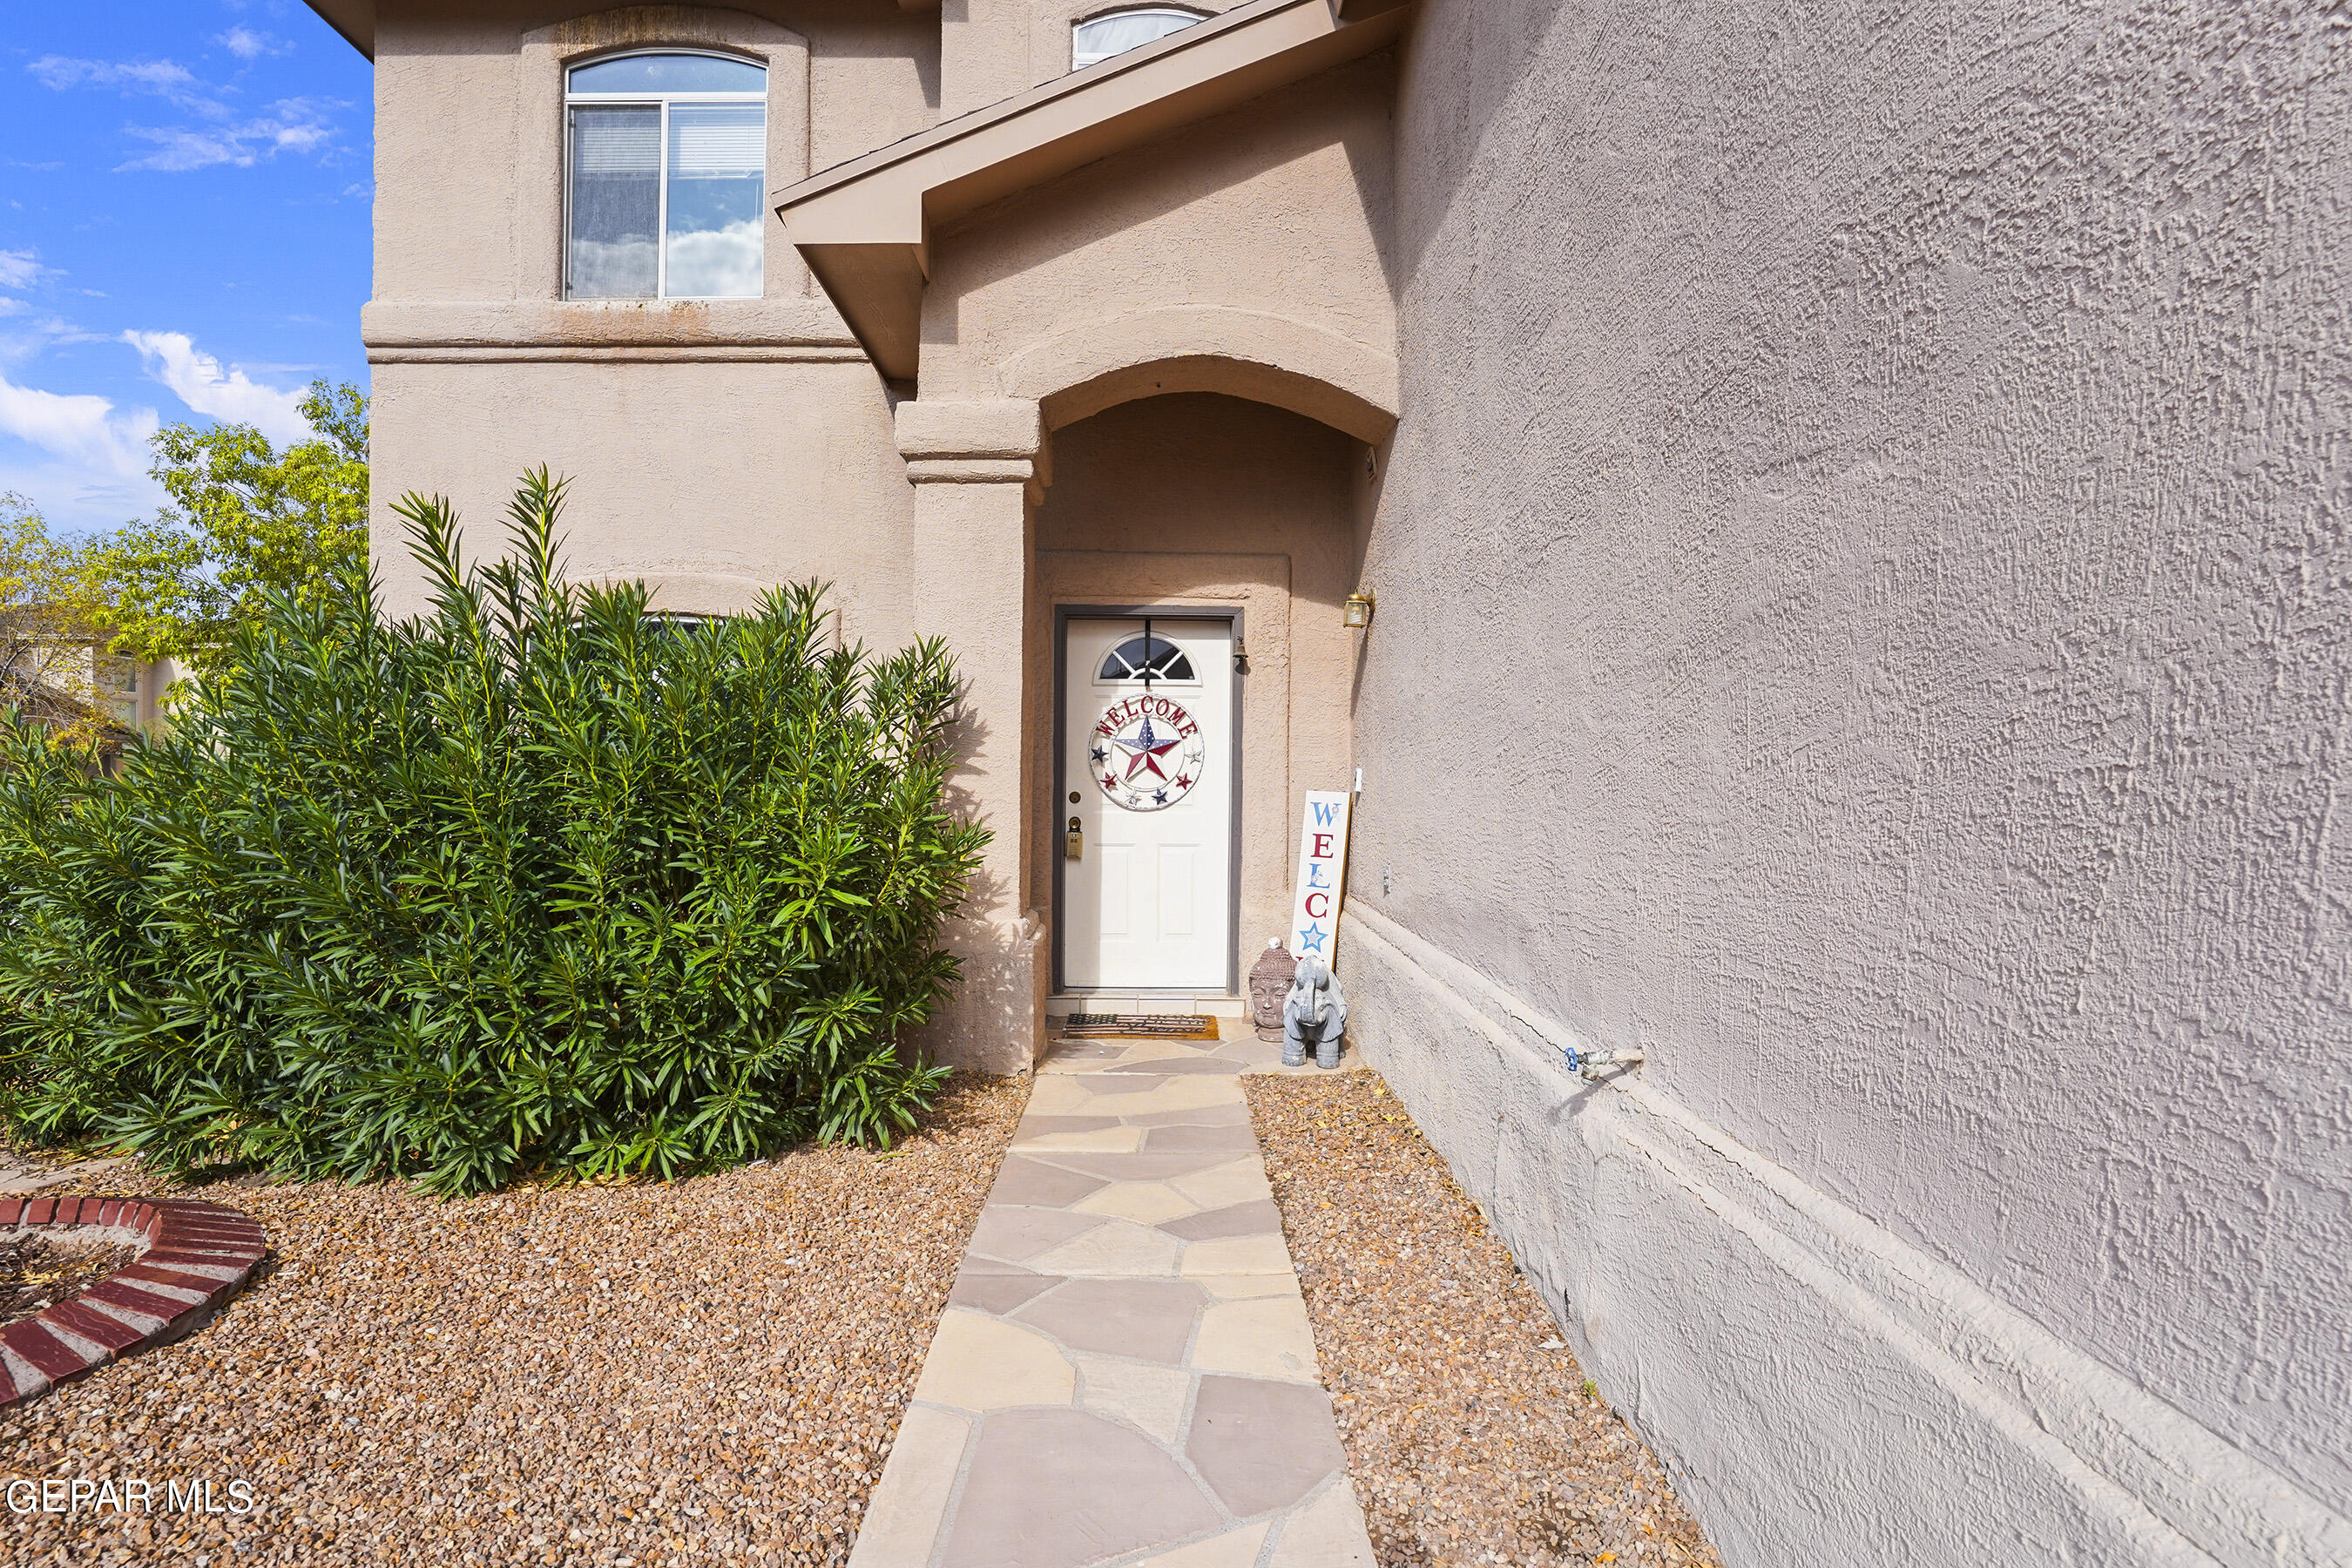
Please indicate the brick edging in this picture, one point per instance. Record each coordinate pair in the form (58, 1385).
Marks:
(196, 1253)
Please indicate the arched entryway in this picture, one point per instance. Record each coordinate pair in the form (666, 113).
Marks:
(1235, 528)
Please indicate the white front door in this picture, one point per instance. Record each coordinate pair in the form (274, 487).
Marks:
(1148, 754)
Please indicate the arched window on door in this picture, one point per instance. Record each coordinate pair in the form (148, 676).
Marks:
(1098, 38)
(1146, 658)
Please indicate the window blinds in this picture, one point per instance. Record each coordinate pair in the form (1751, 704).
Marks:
(717, 141)
(619, 140)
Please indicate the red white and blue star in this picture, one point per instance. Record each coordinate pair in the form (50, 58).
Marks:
(1146, 753)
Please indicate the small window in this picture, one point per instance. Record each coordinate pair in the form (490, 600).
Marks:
(1146, 658)
(1094, 41)
(681, 623)
(668, 160)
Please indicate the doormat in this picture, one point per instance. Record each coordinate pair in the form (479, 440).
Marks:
(1138, 1026)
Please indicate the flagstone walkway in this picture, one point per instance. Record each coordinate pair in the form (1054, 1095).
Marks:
(1124, 1376)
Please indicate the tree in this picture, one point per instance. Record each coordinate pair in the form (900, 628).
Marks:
(245, 519)
(50, 654)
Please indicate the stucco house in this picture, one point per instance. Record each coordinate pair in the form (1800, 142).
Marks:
(1855, 503)
(59, 674)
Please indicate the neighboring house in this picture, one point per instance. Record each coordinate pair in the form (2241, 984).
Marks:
(1856, 502)
(62, 676)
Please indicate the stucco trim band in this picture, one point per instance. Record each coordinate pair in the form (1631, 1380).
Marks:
(713, 353)
(969, 471)
(2178, 1492)
(583, 323)
(996, 428)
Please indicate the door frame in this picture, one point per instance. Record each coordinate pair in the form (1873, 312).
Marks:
(1232, 616)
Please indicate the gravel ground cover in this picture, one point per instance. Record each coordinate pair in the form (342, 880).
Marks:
(38, 1271)
(705, 1373)
(1470, 1434)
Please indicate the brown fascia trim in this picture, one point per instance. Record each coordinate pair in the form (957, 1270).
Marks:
(863, 227)
(354, 19)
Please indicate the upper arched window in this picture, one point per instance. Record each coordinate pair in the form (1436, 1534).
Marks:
(669, 154)
(1146, 658)
(1102, 36)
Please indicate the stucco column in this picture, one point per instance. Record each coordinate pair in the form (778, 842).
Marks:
(975, 468)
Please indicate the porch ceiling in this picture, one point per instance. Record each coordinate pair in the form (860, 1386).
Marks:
(863, 227)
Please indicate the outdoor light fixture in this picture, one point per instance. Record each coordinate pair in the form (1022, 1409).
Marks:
(1360, 610)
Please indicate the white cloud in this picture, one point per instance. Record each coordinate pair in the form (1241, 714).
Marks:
(222, 133)
(246, 43)
(18, 269)
(292, 125)
(30, 335)
(162, 77)
(230, 395)
(84, 428)
(75, 499)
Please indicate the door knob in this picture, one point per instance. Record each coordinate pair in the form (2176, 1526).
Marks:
(1073, 842)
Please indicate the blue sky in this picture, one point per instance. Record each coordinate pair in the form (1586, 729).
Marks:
(183, 233)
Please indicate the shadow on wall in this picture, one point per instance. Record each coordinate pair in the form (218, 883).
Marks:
(1142, 185)
(911, 35)
(988, 1021)
(1370, 485)
(1434, 169)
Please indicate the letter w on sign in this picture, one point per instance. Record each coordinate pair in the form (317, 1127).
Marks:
(1322, 870)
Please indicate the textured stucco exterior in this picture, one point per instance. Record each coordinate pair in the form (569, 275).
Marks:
(996, 47)
(1295, 190)
(711, 480)
(1856, 503)
(1863, 578)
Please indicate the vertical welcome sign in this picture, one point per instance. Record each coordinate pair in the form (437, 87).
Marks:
(1322, 868)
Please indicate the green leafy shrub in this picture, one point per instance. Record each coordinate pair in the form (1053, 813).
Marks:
(535, 882)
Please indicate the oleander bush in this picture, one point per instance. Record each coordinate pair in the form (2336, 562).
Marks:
(534, 883)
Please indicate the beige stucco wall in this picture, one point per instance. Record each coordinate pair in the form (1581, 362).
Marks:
(990, 49)
(1866, 617)
(1266, 226)
(469, 115)
(1859, 621)
(715, 446)
(711, 480)
(1206, 500)
(1249, 241)
(970, 573)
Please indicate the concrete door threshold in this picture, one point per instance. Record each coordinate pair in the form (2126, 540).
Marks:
(1215, 1004)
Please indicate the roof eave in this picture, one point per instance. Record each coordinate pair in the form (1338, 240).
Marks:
(864, 225)
(354, 19)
